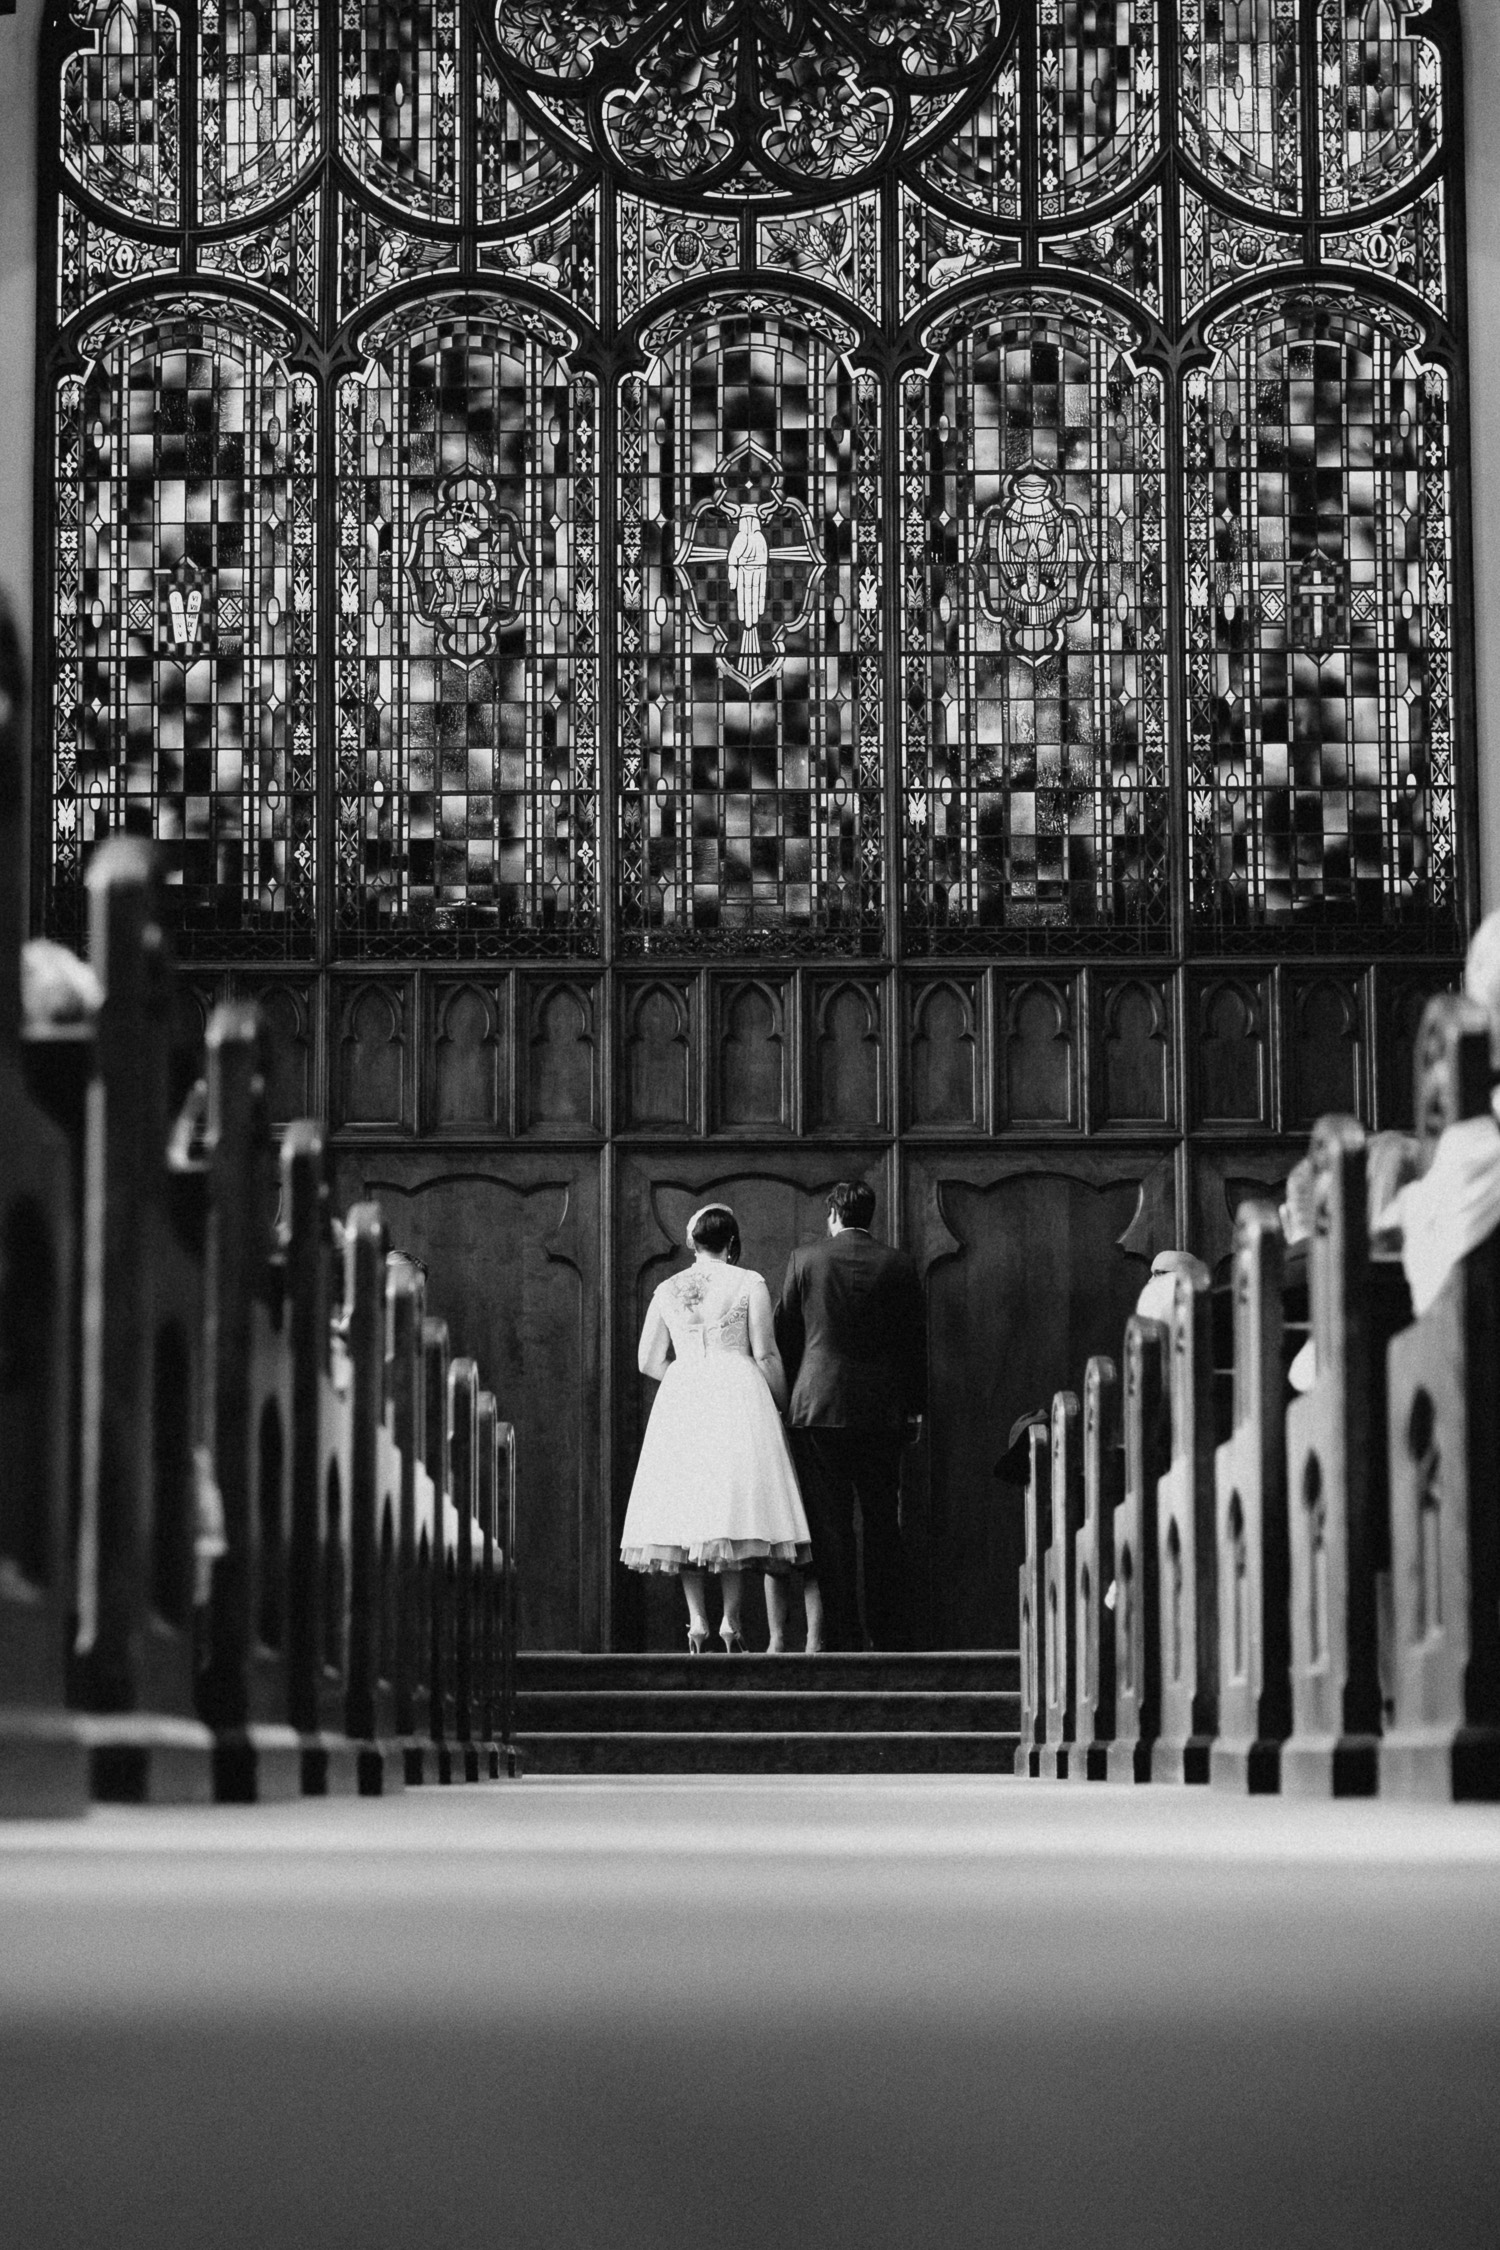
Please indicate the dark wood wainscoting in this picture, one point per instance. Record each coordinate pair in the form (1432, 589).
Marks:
(1035, 1131)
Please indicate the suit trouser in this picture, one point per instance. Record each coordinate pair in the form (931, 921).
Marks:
(836, 1467)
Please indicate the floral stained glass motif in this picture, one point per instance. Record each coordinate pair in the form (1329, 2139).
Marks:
(1381, 101)
(1034, 637)
(121, 110)
(1319, 627)
(750, 721)
(186, 568)
(258, 75)
(466, 663)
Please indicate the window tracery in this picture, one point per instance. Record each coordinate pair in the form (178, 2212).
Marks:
(920, 299)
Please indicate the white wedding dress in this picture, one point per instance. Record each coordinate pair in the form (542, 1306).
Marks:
(714, 1488)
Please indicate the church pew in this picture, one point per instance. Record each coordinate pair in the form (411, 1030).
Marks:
(1137, 1645)
(1336, 1493)
(1058, 1587)
(1443, 1446)
(243, 1692)
(369, 1717)
(504, 1719)
(318, 1572)
(1185, 1558)
(43, 1759)
(1255, 1714)
(463, 1470)
(489, 1652)
(146, 1499)
(1094, 1573)
(443, 1557)
(405, 1298)
(1038, 1531)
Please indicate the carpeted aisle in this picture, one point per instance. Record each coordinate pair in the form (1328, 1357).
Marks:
(761, 2012)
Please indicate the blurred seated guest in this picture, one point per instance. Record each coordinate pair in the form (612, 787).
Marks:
(1452, 1209)
(1155, 1299)
(1482, 977)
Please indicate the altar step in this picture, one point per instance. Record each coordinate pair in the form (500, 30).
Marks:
(949, 1712)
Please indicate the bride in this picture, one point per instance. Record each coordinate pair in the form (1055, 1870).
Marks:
(715, 1489)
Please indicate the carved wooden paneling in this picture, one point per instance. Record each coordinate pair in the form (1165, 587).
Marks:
(779, 1202)
(1133, 1034)
(658, 1064)
(560, 1084)
(286, 1010)
(1324, 1040)
(468, 1055)
(372, 1079)
(1029, 1269)
(846, 1093)
(1230, 1050)
(753, 1063)
(1401, 996)
(514, 1269)
(945, 1060)
(1222, 1178)
(1038, 1053)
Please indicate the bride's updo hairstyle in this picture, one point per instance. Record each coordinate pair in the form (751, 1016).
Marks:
(716, 1229)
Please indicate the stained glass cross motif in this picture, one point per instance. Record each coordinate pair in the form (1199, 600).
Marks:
(723, 448)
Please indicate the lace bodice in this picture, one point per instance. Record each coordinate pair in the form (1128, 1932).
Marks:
(706, 1312)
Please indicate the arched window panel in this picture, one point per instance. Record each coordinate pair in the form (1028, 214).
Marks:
(1033, 637)
(750, 753)
(1381, 102)
(1239, 97)
(467, 639)
(518, 167)
(399, 121)
(1319, 619)
(979, 162)
(258, 73)
(1098, 104)
(122, 109)
(184, 625)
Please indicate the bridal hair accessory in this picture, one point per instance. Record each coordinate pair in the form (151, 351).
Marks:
(702, 1213)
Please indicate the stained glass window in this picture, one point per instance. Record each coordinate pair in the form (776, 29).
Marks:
(466, 670)
(750, 724)
(627, 475)
(1034, 633)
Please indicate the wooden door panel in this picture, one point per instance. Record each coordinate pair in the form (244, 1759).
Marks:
(515, 1273)
(780, 1199)
(1030, 1267)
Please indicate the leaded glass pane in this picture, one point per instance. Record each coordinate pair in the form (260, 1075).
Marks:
(1319, 625)
(257, 102)
(399, 105)
(121, 110)
(467, 642)
(1240, 96)
(1381, 103)
(1096, 98)
(750, 721)
(185, 627)
(1033, 637)
(979, 164)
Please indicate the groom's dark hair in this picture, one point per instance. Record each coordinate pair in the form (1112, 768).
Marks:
(852, 1203)
(718, 1230)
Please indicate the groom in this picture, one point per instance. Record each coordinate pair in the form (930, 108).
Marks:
(852, 1331)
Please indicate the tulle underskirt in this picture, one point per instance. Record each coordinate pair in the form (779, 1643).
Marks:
(720, 1554)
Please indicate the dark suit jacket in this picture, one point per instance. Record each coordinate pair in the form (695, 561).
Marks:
(851, 1328)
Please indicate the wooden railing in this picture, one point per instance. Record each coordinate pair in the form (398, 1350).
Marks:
(257, 1525)
(1294, 1592)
